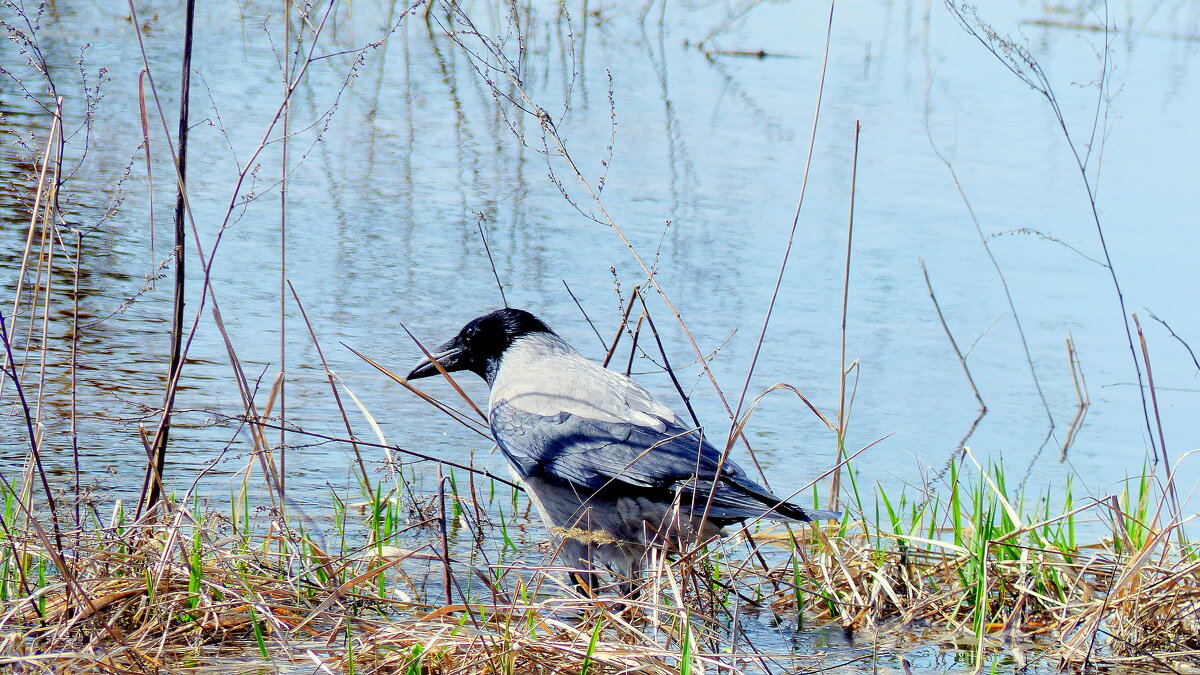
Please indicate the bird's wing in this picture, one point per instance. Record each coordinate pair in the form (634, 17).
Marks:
(675, 462)
(592, 452)
(568, 419)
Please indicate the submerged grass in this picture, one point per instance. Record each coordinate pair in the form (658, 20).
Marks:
(970, 563)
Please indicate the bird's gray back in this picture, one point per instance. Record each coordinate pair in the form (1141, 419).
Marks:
(541, 374)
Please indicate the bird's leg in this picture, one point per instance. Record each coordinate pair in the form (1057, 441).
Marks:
(578, 556)
(631, 586)
(628, 565)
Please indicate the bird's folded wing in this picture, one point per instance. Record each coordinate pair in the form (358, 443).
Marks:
(592, 452)
(600, 454)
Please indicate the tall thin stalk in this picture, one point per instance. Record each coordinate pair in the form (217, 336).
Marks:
(152, 486)
(287, 104)
(843, 413)
(75, 375)
(34, 444)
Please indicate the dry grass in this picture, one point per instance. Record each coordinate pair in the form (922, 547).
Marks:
(965, 567)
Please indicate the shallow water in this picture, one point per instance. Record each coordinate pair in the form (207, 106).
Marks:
(707, 157)
(392, 174)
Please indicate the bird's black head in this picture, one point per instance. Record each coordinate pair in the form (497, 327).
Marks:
(480, 344)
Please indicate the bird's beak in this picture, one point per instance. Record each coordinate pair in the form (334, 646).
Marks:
(452, 356)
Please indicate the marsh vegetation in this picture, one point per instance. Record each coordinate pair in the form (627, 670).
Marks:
(930, 267)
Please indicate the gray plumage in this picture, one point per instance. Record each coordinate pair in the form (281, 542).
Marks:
(611, 469)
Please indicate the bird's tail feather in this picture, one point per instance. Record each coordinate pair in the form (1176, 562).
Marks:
(790, 510)
(738, 497)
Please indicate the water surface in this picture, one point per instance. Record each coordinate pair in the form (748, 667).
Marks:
(400, 154)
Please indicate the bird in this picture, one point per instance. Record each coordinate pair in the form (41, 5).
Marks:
(612, 471)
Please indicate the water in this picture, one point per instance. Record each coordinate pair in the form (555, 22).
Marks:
(392, 175)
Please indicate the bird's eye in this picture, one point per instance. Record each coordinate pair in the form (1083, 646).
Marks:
(469, 333)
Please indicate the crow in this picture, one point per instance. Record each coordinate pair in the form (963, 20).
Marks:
(612, 471)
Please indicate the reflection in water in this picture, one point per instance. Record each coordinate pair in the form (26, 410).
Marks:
(409, 153)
